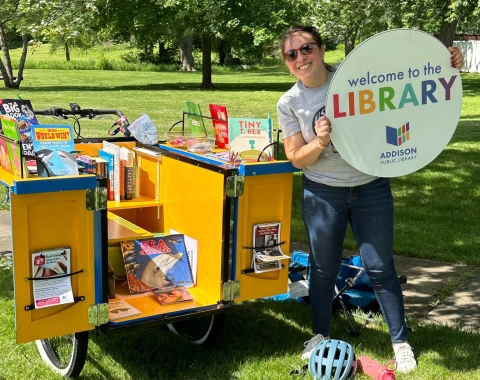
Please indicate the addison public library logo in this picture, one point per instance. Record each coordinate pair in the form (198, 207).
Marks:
(397, 136)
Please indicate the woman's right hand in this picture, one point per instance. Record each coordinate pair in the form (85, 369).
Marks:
(323, 128)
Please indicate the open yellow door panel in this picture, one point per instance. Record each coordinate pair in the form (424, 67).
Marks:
(46, 221)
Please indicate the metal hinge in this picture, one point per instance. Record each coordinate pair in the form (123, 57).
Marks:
(98, 314)
(235, 186)
(97, 199)
(231, 290)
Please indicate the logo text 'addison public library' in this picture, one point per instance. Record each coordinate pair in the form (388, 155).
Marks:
(398, 136)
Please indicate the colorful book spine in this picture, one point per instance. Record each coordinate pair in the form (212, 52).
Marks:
(107, 156)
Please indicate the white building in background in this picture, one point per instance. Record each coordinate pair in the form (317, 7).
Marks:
(471, 55)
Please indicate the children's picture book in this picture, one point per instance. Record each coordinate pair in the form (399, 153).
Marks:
(121, 309)
(10, 130)
(50, 288)
(54, 145)
(250, 139)
(194, 119)
(172, 294)
(4, 156)
(22, 111)
(155, 263)
(220, 124)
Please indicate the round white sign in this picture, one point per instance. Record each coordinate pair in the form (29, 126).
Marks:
(394, 103)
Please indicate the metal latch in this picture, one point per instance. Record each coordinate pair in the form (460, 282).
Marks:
(231, 290)
(235, 186)
(98, 314)
(97, 199)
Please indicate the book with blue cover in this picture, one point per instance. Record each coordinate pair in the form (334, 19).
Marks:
(54, 145)
(156, 263)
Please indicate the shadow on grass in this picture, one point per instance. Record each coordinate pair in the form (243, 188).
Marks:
(174, 86)
(267, 336)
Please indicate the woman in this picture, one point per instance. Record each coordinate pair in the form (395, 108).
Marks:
(335, 194)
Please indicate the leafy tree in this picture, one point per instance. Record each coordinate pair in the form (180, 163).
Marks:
(64, 22)
(350, 19)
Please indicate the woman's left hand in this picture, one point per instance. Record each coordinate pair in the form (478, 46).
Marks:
(456, 57)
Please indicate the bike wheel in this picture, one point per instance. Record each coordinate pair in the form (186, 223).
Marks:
(65, 354)
(202, 331)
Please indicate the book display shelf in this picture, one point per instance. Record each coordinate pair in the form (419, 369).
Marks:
(192, 209)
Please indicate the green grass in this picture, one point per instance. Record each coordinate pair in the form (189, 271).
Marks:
(436, 218)
(260, 340)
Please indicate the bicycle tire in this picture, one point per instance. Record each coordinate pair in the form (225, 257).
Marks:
(203, 331)
(65, 354)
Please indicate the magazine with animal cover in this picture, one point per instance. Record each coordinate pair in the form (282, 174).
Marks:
(50, 288)
(121, 309)
(155, 263)
(250, 139)
(172, 294)
(54, 145)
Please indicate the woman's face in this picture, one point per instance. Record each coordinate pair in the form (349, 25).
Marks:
(309, 68)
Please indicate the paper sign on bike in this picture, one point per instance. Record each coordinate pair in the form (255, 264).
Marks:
(394, 103)
(49, 288)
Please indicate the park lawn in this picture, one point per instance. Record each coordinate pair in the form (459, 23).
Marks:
(436, 217)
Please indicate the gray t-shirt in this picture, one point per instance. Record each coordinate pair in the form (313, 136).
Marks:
(298, 110)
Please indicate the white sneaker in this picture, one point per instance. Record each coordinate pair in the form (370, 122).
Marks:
(311, 344)
(404, 356)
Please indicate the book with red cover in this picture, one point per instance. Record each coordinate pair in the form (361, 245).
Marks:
(219, 117)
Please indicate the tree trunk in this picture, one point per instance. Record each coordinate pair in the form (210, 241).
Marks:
(446, 34)
(6, 70)
(186, 56)
(349, 37)
(207, 62)
(67, 52)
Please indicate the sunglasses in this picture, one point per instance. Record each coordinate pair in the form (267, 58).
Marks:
(292, 54)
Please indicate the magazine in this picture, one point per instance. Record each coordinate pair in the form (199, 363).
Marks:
(53, 289)
(155, 263)
(54, 146)
(266, 247)
(172, 294)
(121, 309)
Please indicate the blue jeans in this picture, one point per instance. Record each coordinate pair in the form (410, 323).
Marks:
(327, 211)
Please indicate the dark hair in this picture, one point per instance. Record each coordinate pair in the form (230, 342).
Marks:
(299, 28)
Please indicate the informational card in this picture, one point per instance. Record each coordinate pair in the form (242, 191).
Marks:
(394, 103)
(49, 287)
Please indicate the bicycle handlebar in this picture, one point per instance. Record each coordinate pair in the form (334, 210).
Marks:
(63, 112)
(120, 125)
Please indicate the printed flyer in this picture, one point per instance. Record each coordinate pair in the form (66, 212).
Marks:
(49, 287)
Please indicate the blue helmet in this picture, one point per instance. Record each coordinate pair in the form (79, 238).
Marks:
(332, 359)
